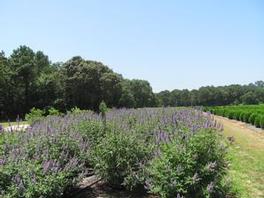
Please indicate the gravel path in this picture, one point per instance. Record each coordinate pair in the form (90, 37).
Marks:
(20, 127)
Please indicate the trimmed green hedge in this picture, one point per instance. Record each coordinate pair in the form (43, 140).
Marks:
(262, 122)
(252, 114)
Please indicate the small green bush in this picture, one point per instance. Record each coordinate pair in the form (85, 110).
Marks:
(43, 184)
(236, 115)
(252, 118)
(53, 111)
(226, 113)
(257, 121)
(103, 107)
(222, 112)
(229, 114)
(233, 115)
(118, 159)
(75, 110)
(48, 165)
(34, 116)
(219, 112)
(262, 122)
(194, 169)
(246, 117)
(241, 116)
(93, 131)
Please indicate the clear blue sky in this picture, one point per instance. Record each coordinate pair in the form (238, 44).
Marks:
(172, 44)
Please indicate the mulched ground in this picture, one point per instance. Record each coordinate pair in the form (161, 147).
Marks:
(93, 187)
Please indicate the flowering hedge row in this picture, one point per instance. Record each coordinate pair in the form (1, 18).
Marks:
(170, 152)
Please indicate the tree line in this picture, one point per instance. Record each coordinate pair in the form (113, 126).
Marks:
(29, 79)
(252, 93)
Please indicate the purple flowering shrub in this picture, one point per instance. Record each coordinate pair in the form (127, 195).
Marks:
(119, 159)
(46, 160)
(92, 131)
(126, 148)
(189, 168)
(135, 153)
(35, 115)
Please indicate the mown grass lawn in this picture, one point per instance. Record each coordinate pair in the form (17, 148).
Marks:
(247, 159)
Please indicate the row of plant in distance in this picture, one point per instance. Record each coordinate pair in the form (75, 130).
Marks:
(253, 114)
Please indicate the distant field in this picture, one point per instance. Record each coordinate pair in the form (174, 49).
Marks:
(252, 114)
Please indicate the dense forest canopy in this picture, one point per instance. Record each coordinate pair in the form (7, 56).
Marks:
(29, 79)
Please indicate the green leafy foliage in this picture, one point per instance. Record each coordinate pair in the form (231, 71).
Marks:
(262, 122)
(257, 120)
(45, 164)
(251, 114)
(28, 79)
(118, 159)
(252, 118)
(252, 93)
(246, 117)
(131, 149)
(53, 111)
(75, 110)
(47, 184)
(92, 131)
(103, 107)
(190, 169)
(34, 116)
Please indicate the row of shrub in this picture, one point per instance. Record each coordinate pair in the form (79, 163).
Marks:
(170, 152)
(252, 114)
(46, 160)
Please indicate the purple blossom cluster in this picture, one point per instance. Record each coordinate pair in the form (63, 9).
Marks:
(164, 123)
(54, 150)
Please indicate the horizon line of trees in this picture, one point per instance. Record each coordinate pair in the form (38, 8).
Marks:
(234, 94)
(29, 79)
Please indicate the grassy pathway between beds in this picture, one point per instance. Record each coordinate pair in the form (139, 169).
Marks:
(247, 158)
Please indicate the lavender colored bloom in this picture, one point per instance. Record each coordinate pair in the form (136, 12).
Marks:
(46, 166)
(56, 145)
(147, 185)
(211, 166)
(2, 162)
(178, 196)
(195, 178)
(17, 179)
(210, 188)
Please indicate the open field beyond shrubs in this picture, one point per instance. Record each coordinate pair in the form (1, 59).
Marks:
(166, 151)
(252, 114)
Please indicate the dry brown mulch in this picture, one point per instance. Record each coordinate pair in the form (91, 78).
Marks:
(92, 187)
